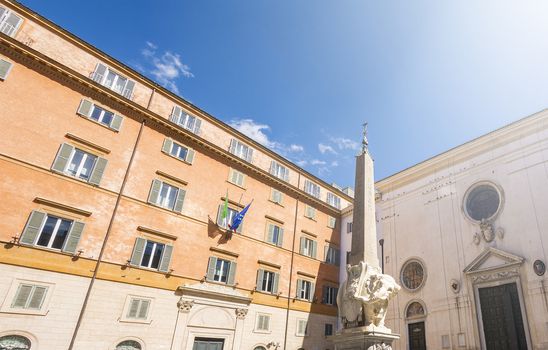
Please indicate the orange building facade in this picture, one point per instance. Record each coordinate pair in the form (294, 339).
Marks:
(113, 235)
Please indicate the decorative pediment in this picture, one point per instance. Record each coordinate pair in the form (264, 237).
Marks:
(491, 259)
(215, 291)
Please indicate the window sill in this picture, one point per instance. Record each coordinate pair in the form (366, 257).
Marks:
(232, 183)
(130, 320)
(277, 203)
(309, 218)
(98, 123)
(9, 310)
(74, 177)
(261, 331)
(176, 158)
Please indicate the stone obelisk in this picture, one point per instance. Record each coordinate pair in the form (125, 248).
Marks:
(364, 228)
(363, 297)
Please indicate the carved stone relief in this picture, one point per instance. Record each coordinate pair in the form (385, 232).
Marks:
(241, 313)
(185, 305)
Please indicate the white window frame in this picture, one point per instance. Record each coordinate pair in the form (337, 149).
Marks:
(310, 212)
(306, 292)
(101, 116)
(54, 233)
(331, 296)
(333, 200)
(154, 247)
(273, 196)
(270, 274)
(177, 154)
(279, 171)
(331, 221)
(241, 150)
(239, 175)
(3, 22)
(275, 232)
(331, 255)
(312, 188)
(161, 201)
(80, 166)
(257, 323)
(127, 305)
(301, 334)
(307, 248)
(12, 292)
(230, 216)
(225, 268)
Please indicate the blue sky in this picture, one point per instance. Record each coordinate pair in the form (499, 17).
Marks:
(302, 76)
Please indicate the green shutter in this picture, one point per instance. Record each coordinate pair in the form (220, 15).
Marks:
(37, 298)
(32, 229)
(280, 238)
(143, 310)
(166, 258)
(190, 156)
(133, 308)
(178, 207)
(63, 155)
(138, 251)
(22, 296)
(98, 170)
(5, 68)
(249, 156)
(74, 236)
(154, 191)
(232, 147)
(166, 147)
(260, 279)
(197, 125)
(325, 252)
(116, 122)
(275, 283)
(219, 219)
(301, 249)
(231, 273)
(211, 266)
(270, 234)
(128, 89)
(85, 108)
(312, 287)
(314, 249)
(299, 287)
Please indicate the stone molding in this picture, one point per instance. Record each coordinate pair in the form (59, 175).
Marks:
(241, 313)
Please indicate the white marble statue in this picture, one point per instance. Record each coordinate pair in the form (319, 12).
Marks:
(363, 297)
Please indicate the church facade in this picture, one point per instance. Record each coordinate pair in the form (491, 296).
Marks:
(465, 233)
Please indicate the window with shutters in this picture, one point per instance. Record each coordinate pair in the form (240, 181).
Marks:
(333, 200)
(221, 270)
(302, 327)
(178, 151)
(225, 219)
(109, 78)
(305, 290)
(329, 296)
(185, 120)
(99, 115)
(151, 254)
(236, 177)
(53, 232)
(166, 196)
(328, 330)
(311, 188)
(5, 68)
(274, 233)
(137, 309)
(310, 212)
(331, 255)
(241, 150)
(262, 323)
(331, 222)
(276, 196)
(27, 297)
(267, 281)
(308, 247)
(9, 21)
(80, 164)
(279, 170)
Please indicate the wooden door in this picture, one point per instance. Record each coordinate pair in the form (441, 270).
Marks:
(502, 319)
(417, 336)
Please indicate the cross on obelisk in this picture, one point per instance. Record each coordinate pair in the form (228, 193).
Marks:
(364, 232)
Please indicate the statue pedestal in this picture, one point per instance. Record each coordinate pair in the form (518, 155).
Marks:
(359, 338)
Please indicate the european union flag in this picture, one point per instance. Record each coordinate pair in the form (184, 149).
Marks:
(237, 220)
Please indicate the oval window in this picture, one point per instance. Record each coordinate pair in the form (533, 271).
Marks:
(412, 275)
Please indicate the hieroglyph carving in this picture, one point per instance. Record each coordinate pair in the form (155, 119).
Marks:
(363, 297)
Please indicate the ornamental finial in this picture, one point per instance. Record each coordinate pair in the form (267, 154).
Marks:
(365, 143)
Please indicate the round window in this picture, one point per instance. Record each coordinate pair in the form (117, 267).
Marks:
(412, 275)
(482, 201)
(128, 345)
(14, 342)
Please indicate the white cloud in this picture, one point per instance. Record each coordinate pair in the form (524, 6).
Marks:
(334, 163)
(344, 143)
(317, 162)
(326, 149)
(257, 131)
(167, 67)
(301, 162)
(296, 148)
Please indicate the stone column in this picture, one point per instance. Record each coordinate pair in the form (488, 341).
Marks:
(239, 329)
(184, 307)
